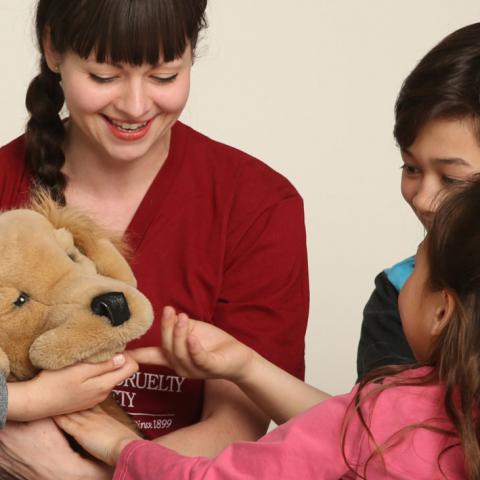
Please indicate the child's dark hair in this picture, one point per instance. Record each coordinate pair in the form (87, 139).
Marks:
(120, 31)
(453, 252)
(444, 85)
(452, 249)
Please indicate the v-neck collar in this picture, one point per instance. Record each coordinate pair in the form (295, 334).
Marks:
(150, 205)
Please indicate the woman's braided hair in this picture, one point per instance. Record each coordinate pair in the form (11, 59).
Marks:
(46, 132)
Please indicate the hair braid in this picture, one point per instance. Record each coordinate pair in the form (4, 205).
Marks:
(45, 132)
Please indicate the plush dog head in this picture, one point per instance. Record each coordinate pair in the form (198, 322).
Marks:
(66, 292)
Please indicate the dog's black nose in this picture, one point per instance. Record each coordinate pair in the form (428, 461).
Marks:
(112, 305)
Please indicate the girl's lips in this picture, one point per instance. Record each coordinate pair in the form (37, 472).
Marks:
(126, 135)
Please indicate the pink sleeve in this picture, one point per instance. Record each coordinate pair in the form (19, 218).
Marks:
(310, 445)
(306, 447)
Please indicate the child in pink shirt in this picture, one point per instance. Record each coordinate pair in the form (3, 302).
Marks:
(418, 422)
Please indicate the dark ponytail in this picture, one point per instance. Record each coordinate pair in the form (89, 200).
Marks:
(45, 132)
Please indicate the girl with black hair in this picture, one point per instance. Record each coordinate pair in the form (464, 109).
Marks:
(213, 231)
(437, 127)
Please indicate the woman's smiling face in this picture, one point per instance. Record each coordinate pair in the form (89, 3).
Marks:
(444, 152)
(120, 111)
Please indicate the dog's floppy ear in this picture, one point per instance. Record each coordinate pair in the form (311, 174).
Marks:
(102, 247)
(108, 259)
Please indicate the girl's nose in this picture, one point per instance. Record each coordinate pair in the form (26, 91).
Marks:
(425, 201)
(134, 101)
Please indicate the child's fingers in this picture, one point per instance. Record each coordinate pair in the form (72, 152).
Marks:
(166, 327)
(180, 332)
(149, 356)
(63, 422)
(74, 419)
(89, 370)
(200, 357)
(113, 378)
(68, 423)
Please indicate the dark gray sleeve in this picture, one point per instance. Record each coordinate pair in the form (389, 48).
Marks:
(3, 400)
(382, 341)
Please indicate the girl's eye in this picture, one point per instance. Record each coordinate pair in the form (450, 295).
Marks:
(169, 79)
(21, 300)
(451, 181)
(100, 79)
(409, 169)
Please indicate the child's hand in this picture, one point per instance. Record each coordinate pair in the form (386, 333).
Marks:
(39, 450)
(70, 389)
(197, 349)
(98, 433)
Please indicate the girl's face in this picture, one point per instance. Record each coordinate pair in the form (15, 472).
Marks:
(119, 111)
(424, 313)
(444, 152)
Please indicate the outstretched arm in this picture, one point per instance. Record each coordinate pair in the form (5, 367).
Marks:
(227, 413)
(200, 350)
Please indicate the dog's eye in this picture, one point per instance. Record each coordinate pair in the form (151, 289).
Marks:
(21, 300)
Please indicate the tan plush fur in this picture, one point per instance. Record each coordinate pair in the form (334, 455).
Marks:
(57, 260)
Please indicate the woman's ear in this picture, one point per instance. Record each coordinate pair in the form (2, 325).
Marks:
(52, 57)
(443, 312)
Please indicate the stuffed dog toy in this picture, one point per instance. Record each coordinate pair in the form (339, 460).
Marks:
(66, 293)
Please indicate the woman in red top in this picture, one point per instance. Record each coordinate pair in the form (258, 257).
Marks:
(214, 232)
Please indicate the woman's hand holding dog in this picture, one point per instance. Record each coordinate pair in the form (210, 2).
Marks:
(70, 389)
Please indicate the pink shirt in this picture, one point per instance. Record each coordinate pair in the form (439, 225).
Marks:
(309, 446)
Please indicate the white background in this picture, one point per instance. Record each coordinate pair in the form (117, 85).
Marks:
(308, 86)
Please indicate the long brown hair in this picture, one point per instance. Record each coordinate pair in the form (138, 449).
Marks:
(453, 256)
(453, 252)
(120, 31)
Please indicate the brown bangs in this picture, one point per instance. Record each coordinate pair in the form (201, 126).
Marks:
(128, 31)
